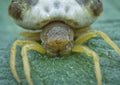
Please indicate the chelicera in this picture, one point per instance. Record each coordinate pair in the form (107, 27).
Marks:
(64, 27)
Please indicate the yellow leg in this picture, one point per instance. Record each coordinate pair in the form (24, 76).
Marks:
(13, 55)
(78, 32)
(31, 35)
(79, 48)
(35, 47)
(85, 37)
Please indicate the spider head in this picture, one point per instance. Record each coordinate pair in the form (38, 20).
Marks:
(57, 38)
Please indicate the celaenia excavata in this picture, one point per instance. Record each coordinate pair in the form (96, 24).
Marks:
(64, 26)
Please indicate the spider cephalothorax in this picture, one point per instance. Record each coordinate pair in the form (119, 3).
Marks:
(64, 26)
(57, 39)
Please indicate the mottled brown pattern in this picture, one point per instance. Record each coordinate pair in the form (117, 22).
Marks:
(15, 10)
(95, 6)
(17, 6)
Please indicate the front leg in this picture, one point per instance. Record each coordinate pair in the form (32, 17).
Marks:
(83, 49)
(31, 35)
(81, 39)
(13, 55)
(26, 48)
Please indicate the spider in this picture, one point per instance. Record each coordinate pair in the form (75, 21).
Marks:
(64, 27)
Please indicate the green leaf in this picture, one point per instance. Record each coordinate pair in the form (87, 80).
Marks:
(73, 69)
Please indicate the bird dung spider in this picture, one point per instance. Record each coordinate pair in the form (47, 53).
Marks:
(64, 27)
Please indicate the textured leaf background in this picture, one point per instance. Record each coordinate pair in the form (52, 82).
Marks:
(74, 69)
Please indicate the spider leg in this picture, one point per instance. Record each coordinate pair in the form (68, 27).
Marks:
(13, 55)
(78, 32)
(26, 48)
(31, 35)
(84, 49)
(81, 39)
